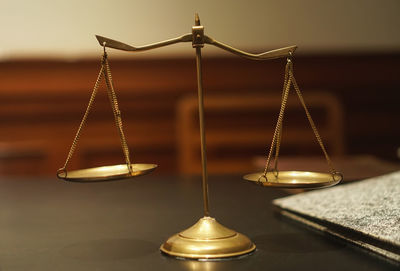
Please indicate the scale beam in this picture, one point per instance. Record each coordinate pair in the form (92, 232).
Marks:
(277, 53)
(126, 47)
(273, 54)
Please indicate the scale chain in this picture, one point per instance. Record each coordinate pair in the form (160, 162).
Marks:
(106, 73)
(279, 139)
(310, 120)
(276, 139)
(277, 132)
(83, 121)
(117, 113)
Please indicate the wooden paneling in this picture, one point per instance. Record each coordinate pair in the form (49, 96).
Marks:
(241, 127)
(42, 102)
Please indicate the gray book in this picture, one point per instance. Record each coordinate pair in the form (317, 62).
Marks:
(365, 213)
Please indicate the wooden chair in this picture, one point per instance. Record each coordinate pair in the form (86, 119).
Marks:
(240, 127)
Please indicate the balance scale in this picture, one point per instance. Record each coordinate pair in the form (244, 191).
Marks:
(207, 239)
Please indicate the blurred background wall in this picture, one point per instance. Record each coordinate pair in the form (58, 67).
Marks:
(346, 64)
(66, 29)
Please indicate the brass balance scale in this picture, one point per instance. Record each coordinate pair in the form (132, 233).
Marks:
(207, 239)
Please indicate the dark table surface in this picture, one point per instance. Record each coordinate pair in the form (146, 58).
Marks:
(47, 224)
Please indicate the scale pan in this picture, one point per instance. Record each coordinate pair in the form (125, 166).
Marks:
(294, 179)
(106, 173)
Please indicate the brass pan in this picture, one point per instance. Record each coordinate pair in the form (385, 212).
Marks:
(294, 179)
(106, 173)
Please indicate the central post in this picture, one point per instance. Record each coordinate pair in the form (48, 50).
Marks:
(207, 239)
(198, 43)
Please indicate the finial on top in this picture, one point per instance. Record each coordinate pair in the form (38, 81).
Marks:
(196, 19)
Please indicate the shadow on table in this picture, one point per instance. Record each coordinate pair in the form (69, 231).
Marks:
(296, 243)
(109, 249)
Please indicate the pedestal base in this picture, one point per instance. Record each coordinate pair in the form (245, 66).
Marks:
(207, 239)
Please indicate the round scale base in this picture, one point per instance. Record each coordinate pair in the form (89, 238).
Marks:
(207, 239)
(106, 173)
(294, 179)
